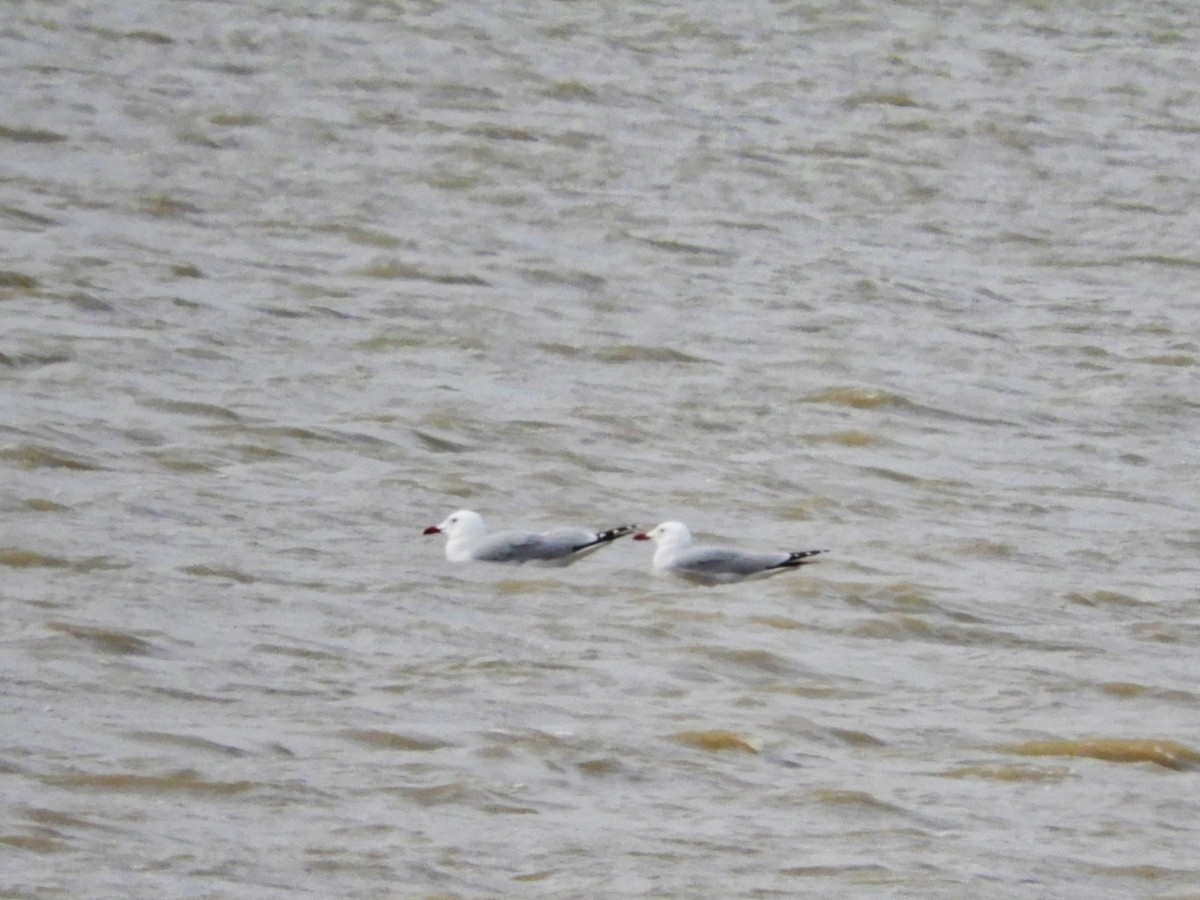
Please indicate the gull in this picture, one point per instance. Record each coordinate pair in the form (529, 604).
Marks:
(676, 555)
(467, 540)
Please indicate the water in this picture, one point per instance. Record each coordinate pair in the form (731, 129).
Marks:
(279, 288)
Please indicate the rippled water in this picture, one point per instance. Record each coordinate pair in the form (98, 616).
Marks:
(279, 288)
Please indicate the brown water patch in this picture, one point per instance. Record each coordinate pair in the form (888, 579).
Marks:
(832, 871)
(1169, 754)
(139, 35)
(175, 461)
(631, 353)
(54, 819)
(509, 587)
(161, 206)
(1010, 773)
(440, 444)
(781, 622)
(37, 504)
(191, 695)
(713, 741)
(536, 876)
(1131, 689)
(560, 349)
(31, 559)
(253, 453)
(185, 781)
(88, 303)
(1104, 598)
(191, 408)
(815, 691)
(859, 799)
(761, 660)
(30, 135)
(607, 765)
(390, 740)
(185, 740)
(219, 572)
(17, 280)
(856, 738)
(887, 596)
(849, 438)
(879, 98)
(691, 615)
(1166, 632)
(34, 843)
(438, 794)
(451, 181)
(497, 132)
(365, 237)
(1149, 873)
(507, 809)
(26, 217)
(34, 457)
(855, 398)
(21, 360)
(986, 548)
(584, 281)
(1123, 689)
(674, 246)
(236, 120)
(905, 595)
(399, 271)
(105, 639)
(1172, 262)
(295, 652)
(572, 90)
(1180, 361)
(906, 627)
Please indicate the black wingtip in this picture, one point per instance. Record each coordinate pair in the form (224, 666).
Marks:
(613, 533)
(606, 537)
(801, 558)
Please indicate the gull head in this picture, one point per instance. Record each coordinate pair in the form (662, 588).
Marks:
(460, 524)
(668, 534)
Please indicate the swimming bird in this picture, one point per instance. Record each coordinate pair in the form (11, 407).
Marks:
(676, 555)
(467, 540)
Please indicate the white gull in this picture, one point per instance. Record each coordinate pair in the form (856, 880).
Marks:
(467, 540)
(676, 555)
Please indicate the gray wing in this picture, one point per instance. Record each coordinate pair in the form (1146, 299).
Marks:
(561, 544)
(577, 539)
(568, 539)
(718, 561)
(511, 546)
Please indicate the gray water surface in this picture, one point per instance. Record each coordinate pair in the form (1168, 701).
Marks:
(281, 286)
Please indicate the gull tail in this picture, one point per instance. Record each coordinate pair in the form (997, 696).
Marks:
(801, 558)
(606, 537)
